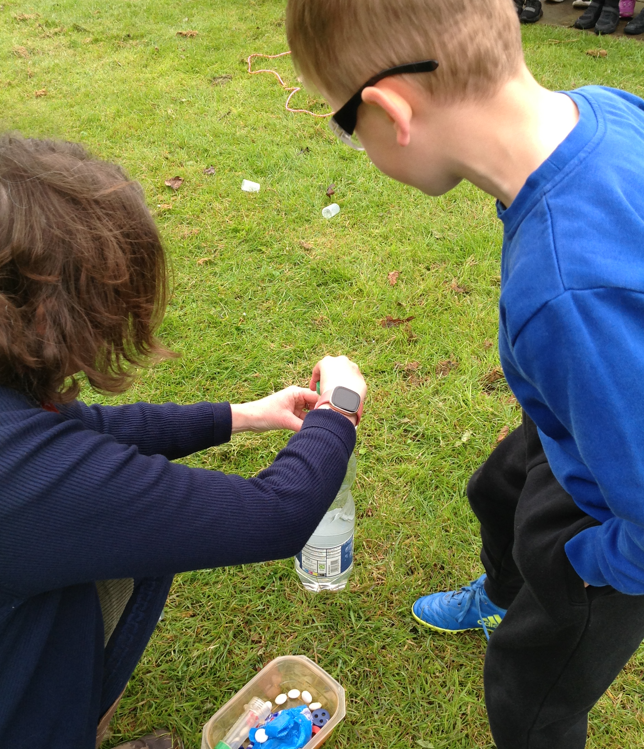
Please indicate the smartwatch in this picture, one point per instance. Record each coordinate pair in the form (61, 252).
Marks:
(343, 400)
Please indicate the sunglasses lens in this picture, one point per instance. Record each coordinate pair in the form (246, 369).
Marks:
(342, 134)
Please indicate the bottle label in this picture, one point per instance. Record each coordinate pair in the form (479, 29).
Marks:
(321, 563)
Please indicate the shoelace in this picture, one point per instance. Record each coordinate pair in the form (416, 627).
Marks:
(471, 595)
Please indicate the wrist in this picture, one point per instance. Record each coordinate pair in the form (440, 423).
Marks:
(353, 418)
(344, 400)
(241, 417)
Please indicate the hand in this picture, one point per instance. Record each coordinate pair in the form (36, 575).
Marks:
(338, 370)
(283, 410)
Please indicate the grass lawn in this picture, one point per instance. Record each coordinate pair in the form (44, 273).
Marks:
(263, 287)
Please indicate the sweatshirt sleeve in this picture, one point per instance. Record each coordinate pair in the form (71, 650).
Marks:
(583, 353)
(158, 429)
(78, 505)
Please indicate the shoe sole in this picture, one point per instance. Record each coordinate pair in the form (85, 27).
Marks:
(440, 629)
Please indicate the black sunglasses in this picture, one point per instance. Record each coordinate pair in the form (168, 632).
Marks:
(343, 122)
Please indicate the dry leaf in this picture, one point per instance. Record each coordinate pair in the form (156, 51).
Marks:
(493, 379)
(27, 16)
(443, 368)
(494, 375)
(409, 367)
(42, 92)
(190, 233)
(393, 277)
(204, 260)
(221, 80)
(210, 170)
(330, 190)
(487, 343)
(458, 289)
(21, 52)
(306, 245)
(164, 206)
(597, 52)
(503, 434)
(394, 322)
(190, 33)
(174, 182)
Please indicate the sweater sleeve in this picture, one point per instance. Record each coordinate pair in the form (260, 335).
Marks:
(158, 429)
(77, 505)
(584, 354)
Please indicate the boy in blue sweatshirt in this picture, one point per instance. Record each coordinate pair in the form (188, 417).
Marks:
(437, 91)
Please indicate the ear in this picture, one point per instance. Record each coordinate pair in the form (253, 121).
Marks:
(395, 106)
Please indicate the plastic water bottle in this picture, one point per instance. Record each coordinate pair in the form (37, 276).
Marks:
(325, 563)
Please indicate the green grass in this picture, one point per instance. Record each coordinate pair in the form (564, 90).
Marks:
(279, 287)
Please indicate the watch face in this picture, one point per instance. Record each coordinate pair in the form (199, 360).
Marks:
(347, 400)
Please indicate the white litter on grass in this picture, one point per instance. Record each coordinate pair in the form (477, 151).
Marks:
(331, 210)
(248, 186)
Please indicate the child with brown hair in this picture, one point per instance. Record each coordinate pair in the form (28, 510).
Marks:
(437, 91)
(94, 518)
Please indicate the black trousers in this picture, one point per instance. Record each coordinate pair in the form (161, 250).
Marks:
(561, 644)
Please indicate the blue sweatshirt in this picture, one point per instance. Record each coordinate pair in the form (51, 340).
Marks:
(90, 494)
(572, 326)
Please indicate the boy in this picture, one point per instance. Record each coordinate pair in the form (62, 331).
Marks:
(561, 500)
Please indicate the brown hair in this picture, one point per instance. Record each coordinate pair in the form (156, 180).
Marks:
(82, 271)
(337, 45)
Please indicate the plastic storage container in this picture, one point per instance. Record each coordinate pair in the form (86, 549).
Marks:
(281, 675)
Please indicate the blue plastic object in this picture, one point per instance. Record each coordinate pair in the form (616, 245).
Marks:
(291, 729)
(320, 718)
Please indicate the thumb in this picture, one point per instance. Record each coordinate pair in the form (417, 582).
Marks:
(292, 422)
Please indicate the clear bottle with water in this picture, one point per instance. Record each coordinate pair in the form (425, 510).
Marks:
(325, 563)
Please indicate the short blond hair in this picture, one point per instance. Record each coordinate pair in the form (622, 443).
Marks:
(337, 45)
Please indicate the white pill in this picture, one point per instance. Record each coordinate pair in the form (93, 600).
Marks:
(306, 696)
(315, 706)
(260, 736)
(294, 694)
(280, 699)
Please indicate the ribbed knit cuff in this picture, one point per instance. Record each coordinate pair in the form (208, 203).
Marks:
(222, 427)
(333, 422)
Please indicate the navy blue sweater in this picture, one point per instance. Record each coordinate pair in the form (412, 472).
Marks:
(572, 326)
(90, 494)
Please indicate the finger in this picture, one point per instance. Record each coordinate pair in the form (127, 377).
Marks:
(292, 422)
(307, 398)
(315, 377)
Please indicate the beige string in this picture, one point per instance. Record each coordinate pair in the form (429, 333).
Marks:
(292, 89)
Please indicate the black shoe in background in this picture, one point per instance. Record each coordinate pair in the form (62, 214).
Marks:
(589, 17)
(531, 12)
(608, 18)
(636, 26)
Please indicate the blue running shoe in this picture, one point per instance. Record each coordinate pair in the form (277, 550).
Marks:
(459, 610)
